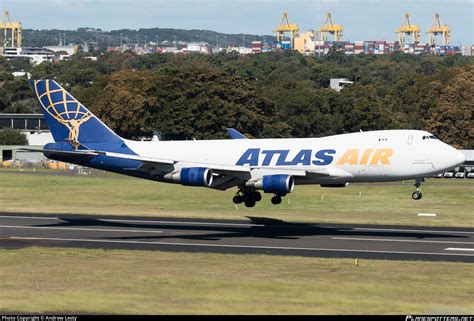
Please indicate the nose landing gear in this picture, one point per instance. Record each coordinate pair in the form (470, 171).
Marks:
(417, 195)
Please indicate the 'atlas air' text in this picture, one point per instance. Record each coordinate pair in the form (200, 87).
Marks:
(307, 157)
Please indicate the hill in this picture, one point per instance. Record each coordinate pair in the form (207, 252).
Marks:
(39, 38)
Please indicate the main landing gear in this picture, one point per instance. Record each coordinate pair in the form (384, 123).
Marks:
(248, 197)
(417, 194)
(276, 199)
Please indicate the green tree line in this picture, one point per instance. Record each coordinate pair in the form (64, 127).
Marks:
(279, 94)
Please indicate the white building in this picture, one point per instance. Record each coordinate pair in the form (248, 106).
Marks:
(198, 47)
(69, 50)
(35, 55)
(339, 83)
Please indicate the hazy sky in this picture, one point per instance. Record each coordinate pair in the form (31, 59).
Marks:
(362, 19)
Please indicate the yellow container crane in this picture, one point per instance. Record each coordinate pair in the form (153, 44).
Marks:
(408, 29)
(438, 29)
(7, 24)
(287, 27)
(330, 28)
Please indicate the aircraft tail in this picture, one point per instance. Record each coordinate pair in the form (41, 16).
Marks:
(69, 120)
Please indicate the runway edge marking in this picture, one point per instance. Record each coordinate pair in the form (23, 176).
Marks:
(458, 249)
(80, 229)
(393, 240)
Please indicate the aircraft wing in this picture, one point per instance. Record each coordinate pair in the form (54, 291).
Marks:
(327, 172)
(225, 176)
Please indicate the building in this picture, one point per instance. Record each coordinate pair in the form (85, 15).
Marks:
(305, 43)
(198, 47)
(467, 50)
(69, 50)
(469, 163)
(257, 47)
(339, 83)
(36, 130)
(35, 55)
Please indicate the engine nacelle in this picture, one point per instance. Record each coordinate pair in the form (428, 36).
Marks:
(340, 185)
(192, 176)
(277, 184)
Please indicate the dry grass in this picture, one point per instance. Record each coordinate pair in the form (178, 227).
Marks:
(112, 281)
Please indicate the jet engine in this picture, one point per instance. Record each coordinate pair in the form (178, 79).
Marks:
(277, 184)
(192, 176)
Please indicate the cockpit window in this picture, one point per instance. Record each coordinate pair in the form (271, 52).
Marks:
(430, 137)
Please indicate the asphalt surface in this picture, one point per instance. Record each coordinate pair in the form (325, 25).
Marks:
(255, 235)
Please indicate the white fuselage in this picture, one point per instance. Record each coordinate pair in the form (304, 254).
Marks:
(385, 155)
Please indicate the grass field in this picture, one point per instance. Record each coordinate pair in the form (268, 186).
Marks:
(139, 282)
(452, 200)
(61, 280)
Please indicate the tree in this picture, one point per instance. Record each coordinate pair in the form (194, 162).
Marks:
(452, 119)
(12, 137)
(366, 110)
(200, 101)
(278, 94)
(124, 102)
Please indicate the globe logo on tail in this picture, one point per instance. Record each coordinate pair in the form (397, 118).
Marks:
(64, 108)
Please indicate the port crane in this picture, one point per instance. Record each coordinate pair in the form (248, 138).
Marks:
(329, 27)
(408, 29)
(438, 29)
(286, 27)
(14, 29)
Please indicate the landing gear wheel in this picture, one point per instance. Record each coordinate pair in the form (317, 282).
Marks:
(276, 200)
(257, 196)
(249, 203)
(238, 199)
(417, 195)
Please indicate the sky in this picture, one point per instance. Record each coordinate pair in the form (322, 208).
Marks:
(362, 19)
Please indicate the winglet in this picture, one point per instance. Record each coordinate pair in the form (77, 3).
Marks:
(235, 134)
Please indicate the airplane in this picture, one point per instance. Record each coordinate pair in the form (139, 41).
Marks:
(272, 166)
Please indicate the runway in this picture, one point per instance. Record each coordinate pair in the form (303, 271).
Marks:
(256, 235)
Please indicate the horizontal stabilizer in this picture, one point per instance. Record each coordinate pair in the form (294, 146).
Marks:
(77, 154)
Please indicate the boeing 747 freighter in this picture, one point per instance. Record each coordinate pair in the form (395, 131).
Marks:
(274, 166)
